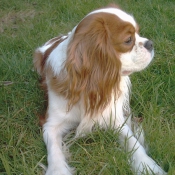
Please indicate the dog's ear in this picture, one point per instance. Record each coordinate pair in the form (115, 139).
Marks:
(92, 65)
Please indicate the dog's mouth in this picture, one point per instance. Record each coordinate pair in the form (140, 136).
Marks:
(125, 73)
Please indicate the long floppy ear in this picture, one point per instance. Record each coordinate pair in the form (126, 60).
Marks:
(92, 65)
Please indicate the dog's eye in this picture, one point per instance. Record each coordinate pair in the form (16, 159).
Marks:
(129, 40)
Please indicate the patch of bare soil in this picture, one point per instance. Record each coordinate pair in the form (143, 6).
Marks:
(14, 19)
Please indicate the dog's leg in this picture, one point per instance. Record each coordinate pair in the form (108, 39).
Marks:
(53, 139)
(59, 122)
(141, 162)
(139, 134)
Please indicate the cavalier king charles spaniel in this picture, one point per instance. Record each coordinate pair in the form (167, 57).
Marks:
(86, 75)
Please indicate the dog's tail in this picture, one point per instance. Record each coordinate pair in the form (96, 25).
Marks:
(39, 62)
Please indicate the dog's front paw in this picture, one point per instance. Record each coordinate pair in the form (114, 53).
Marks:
(58, 170)
(143, 164)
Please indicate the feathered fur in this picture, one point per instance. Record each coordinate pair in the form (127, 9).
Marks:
(85, 75)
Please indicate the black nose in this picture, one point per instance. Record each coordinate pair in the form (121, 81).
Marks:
(148, 45)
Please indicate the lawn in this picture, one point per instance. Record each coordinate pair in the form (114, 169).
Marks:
(27, 24)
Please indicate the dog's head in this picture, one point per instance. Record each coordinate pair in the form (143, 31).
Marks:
(105, 46)
(113, 34)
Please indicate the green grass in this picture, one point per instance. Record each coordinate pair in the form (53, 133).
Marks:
(25, 25)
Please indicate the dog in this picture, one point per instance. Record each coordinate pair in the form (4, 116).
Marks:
(86, 76)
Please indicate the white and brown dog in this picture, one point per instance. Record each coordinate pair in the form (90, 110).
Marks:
(86, 76)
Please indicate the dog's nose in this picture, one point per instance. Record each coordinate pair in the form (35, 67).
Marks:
(148, 45)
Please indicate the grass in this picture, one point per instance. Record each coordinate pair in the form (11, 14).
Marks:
(25, 25)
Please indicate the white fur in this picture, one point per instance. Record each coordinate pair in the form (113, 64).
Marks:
(138, 59)
(115, 115)
(59, 52)
(121, 14)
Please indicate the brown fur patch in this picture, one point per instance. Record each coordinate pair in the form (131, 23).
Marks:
(37, 60)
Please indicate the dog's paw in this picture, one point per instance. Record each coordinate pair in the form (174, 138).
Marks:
(146, 165)
(58, 170)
